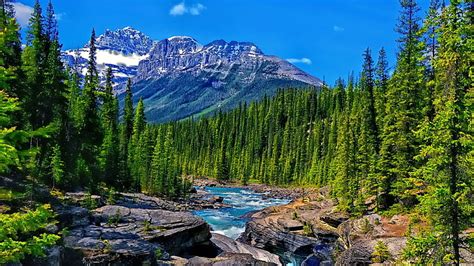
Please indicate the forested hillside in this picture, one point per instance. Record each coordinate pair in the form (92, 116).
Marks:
(399, 143)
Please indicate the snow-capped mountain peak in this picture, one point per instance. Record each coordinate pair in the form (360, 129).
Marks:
(178, 77)
(121, 49)
(126, 41)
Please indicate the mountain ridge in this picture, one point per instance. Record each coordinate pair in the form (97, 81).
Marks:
(178, 77)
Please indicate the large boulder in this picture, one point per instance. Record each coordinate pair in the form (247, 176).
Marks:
(224, 259)
(132, 236)
(270, 235)
(229, 245)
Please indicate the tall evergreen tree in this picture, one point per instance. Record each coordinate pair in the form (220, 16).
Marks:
(110, 145)
(381, 85)
(447, 157)
(404, 110)
(139, 124)
(90, 128)
(125, 136)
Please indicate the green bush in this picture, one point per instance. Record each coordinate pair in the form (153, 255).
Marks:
(21, 234)
(307, 229)
(381, 253)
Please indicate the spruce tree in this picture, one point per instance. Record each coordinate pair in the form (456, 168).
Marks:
(447, 168)
(110, 145)
(139, 124)
(126, 129)
(404, 110)
(90, 128)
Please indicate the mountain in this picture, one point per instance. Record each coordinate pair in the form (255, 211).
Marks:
(121, 50)
(178, 77)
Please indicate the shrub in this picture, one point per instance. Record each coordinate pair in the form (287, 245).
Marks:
(381, 253)
(158, 253)
(21, 234)
(307, 229)
(366, 226)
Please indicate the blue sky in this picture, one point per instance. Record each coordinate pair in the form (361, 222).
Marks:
(325, 38)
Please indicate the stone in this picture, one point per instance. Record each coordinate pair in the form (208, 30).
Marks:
(72, 216)
(290, 225)
(228, 245)
(267, 235)
(216, 199)
(358, 254)
(334, 219)
(132, 235)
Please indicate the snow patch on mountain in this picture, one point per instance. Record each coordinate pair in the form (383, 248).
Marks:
(110, 57)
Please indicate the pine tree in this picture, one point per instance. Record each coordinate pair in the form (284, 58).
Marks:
(10, 54)
(139, 124)
(110, 145)
(447, 168)
(90, 128)
(125, 136)
(33, 60)
(404, 110)
(381, 82)
(57, 166)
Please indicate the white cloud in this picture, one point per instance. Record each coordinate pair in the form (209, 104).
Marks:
(59, 16)
(182, 9)
(302, 60)
(337, 28)
(196, 9)
(22, 13)
(178, 10)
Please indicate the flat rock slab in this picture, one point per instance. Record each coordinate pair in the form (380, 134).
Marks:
(290, 225)
(121, 234)
(229, 245)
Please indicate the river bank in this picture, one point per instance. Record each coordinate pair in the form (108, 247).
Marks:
(277, 226)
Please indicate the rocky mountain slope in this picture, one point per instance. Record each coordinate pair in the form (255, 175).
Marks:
(178, 77)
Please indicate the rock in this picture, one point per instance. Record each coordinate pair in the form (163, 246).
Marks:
(233, 259)
(334, 219)
(142, 201)
(268, 235)
(192, 190)
(356, 255)
(227, 259)
(216, 199)
(325, 235)
(133, 235)
(72, 216)
(81, 198)
(290, 225)
(229, 245)
(54, 257)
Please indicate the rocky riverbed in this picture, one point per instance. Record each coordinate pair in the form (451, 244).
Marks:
(136, 229)
(141, 230)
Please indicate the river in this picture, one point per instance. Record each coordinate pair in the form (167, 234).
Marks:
(231, 221)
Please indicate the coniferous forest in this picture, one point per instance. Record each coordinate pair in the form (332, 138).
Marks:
(398, 138)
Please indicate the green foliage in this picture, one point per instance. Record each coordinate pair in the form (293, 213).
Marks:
(307, 229)
(111, 196)
(158, 253)
(381, 253)
(366, 226)
(89, 202)
(423, 249)
(20, 234)
(115, 219)
(57, 166)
